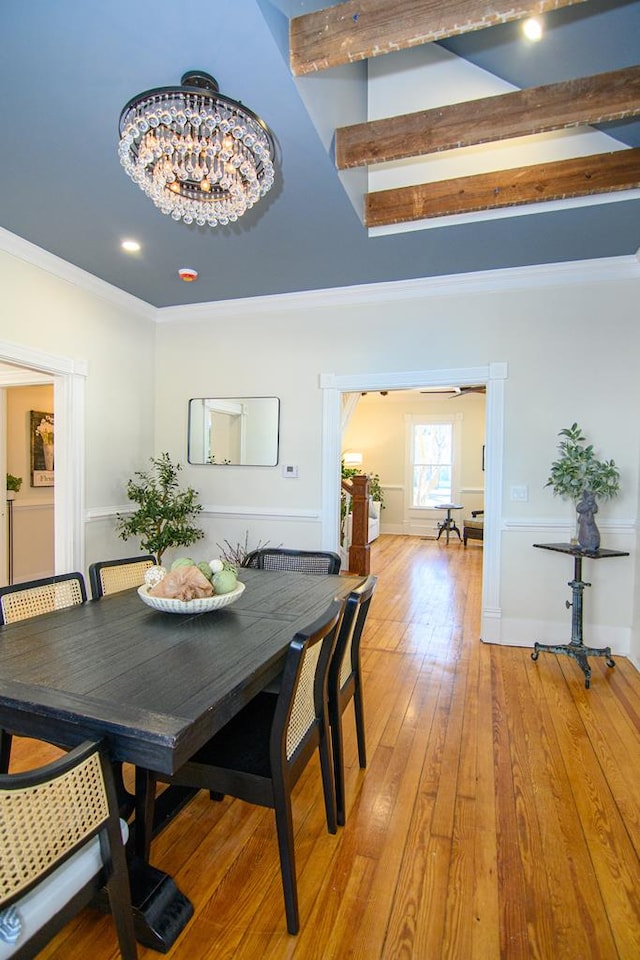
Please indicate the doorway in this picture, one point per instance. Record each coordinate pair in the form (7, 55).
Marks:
(426, 446)
(30, 503)
(68, 377)
(493, 376)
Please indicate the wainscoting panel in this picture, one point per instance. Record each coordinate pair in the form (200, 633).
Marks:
(33, 540)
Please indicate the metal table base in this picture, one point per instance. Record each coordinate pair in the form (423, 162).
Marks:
(576, 648)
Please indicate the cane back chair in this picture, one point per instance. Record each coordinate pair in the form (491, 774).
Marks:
(61, 842)
(20, 601)
(260, 754)
(111, 576)
(302, 561)
(345, 684)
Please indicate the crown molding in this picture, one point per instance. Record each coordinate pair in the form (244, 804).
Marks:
(578, 272)
(63, 270)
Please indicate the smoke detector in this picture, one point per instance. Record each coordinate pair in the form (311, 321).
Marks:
(188, 274)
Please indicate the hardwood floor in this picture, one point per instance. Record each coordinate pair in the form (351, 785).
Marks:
(499, 816)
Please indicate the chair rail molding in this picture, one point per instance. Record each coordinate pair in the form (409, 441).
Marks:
(94, 514)
(494, 376)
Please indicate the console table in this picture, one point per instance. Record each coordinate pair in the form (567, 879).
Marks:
(576, 648)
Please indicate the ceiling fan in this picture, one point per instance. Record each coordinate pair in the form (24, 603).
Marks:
(461, 391)
(458, 391)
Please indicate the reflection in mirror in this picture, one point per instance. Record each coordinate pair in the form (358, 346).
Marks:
(234, 430)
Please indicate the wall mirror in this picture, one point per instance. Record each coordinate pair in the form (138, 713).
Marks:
(234, 430)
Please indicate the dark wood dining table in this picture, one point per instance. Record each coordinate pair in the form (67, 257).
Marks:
(155, 687)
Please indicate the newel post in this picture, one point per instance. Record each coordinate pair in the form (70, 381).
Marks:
(359, 551)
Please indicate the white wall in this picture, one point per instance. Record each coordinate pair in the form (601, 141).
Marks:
(570, 339)
(89, 323)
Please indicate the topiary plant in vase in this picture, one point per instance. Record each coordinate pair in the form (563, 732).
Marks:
(165, 515)
(578, 475)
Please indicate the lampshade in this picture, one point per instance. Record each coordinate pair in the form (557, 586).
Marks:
(201, 157)
(352, 459)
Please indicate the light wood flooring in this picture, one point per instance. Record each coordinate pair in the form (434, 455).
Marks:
(498, 817)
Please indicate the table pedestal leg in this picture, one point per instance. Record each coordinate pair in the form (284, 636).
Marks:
(576, 648)
(160, 909)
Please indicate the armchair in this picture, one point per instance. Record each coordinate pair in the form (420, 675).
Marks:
(473, 529)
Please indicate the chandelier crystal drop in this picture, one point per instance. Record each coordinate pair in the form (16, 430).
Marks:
(201, 157)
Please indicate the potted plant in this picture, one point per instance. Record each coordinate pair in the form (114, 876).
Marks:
(345, 500)
(13, 485)
(579, 476)
(165, 515)
(375, 491)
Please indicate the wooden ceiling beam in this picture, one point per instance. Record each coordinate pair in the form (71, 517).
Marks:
(578, 177)
(359, 29)
(556, 106)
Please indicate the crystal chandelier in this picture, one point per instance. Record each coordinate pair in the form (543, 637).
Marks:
(201, 157)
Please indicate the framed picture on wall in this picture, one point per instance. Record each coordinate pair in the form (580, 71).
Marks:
(41, 443)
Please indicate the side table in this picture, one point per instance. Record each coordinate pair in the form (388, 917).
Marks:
(576, 648)
(448, 526)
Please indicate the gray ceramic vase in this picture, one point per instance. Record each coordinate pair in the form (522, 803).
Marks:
(588, 533)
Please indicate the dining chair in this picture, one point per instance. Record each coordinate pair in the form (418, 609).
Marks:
(111, 576)
(19, 601)
(259, 755)
(302, 561)
(345, 684)
(62, 844)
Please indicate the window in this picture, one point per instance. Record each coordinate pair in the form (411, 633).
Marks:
(431, 464)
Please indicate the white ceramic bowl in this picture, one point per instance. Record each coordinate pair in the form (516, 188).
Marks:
(201, 605)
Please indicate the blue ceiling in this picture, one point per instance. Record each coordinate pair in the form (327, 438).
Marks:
(69, 66)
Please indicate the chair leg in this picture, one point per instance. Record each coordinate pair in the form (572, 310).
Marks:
(5, 750)
(358, 706)
(120, 900)
(338, 761)
(284, 828)
(328, 785)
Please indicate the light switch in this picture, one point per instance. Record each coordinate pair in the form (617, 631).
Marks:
(289, 470)
(520, 493)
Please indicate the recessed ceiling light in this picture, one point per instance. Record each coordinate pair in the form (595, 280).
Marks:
(532, 29)
(131, 246)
